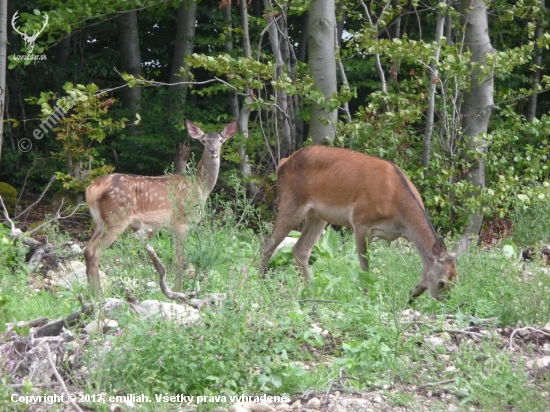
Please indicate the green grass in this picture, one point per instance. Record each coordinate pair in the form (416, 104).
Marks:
(266, 339)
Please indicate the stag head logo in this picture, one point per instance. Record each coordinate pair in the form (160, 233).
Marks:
(30, 40)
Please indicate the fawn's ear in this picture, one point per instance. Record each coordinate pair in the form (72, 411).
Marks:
(194, 131)
(229, 130)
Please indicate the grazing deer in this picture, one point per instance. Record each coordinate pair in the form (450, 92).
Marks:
(117, 201)
(368, 195)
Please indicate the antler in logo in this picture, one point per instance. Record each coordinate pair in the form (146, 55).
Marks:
(30, 40)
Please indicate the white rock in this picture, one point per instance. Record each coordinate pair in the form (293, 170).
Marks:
(539, 363)
(354, 403)
(288, 241)
(261, 407)
(313, 403)
(75, 248)
(282, 407)
(110, 304)
(377, 399)
(75, 274)
(296, 404)
(237, 408)
(181, 313)
(104, 326)
(75, 265)
(434, 341)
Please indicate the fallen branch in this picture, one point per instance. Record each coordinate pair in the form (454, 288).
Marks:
(58, 216)
(28, 324)
(342, 376)
(14, 231)
(427, 385)
(60, 380)
(170, 294)
(52, 179)
(522, 330)
(54, 328)
(161, 270)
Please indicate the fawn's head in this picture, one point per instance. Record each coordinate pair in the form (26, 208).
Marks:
(212, 141)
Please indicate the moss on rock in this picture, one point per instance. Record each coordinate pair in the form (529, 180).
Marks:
(9, 196)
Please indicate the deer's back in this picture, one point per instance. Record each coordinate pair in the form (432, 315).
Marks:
(150, 200)
(340, 181)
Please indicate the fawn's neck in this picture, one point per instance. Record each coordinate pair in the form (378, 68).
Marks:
(207, 172)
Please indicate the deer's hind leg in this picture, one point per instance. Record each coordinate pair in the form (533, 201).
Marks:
(289, 217)
(313, 229)
(180, 237)
(103, 237)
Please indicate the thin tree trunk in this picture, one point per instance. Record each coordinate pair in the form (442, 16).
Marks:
(244, 166)
(397, 24)
(183, 47)
(3, 63)
(478, 102)
(63, 50)
(532, 108)
(322, 64)
(377, 62)
(343, 77)
(285, 142)
(130, 57)
(302, 44)
(434, 79)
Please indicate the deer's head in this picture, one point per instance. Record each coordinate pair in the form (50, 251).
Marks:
(212, 141)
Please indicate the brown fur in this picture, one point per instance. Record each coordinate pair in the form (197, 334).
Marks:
(117, 201)
(369, 195)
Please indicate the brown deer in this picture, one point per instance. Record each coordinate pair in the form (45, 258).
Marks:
(366, 194)
(117, 201)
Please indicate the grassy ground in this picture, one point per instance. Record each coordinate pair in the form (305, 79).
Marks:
(279, 336)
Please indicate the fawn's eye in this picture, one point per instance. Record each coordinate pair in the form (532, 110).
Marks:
(221, 140)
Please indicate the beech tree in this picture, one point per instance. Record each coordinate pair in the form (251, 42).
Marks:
(477, 104)
(130, 57)
(322, 65)
(3, 63)
(183, 47)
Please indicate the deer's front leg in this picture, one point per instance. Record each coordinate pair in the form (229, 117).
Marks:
(180, 236)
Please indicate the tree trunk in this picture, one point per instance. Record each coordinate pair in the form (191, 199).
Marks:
(322, 64)
(377, 62)
(63, 50)
(397, 24)
(434, 79)
(130, 57)
(477, 103)
(183, 47)
(3, 63)
(532, 108)
(302, 44)
(244, 166)
(285, 142)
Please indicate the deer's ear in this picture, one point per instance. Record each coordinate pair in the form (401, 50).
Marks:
(229, 130)
(194, 131)
(439, 249)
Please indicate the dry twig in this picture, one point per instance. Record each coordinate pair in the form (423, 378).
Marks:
(427, 385)
(522, 330)
(60, 380)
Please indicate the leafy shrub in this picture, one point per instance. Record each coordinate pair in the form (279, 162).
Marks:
(12, 254)
(531, 222)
